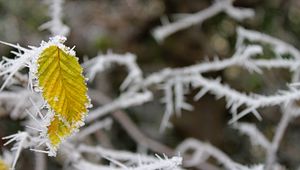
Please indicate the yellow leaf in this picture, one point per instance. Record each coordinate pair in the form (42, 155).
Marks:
(3, 165)
(56, 130)
(63, 87)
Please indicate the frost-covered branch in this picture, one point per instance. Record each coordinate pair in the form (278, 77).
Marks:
(161, 164)
(254, 134)
(102, 62)
(175, 82)
(160, 33)
(244, 57)
(117, 155)
(280, 130)
(124, 101)
(235, 99)
(133, 161)
(73, 156)
(289, 111)
(279, 46)
(106, 123)
(202, 151)
(56, 25)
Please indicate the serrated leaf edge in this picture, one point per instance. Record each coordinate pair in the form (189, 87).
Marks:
(54, 41)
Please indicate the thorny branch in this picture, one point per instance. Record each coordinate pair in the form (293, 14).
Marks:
(161, 32)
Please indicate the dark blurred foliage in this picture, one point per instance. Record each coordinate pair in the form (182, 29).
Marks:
(125, 26)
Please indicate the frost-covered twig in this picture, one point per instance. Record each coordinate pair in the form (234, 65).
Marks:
(106, 123)
(124, 101)
(279, 46)
(102, 62)
(161, 164)
(10, 67)
(21, 142)
(235, 99)
(118, 155)
(73, 157)
(133, 160)
(55, 25)
(289, 111)
(168, 101)
(202, 151)
(173, 163)
(16, 101)
(174, 99)
(254, 134)
(272, 150)
(160, 33)
(244, 57)
(176, 79)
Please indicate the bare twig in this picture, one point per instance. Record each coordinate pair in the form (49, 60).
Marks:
(271, 152)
